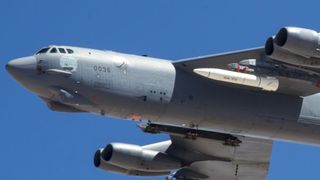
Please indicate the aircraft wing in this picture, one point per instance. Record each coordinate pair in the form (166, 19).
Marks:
(214, 159)
(220, 60)
(212, 155)
(191, 154)
(293, 80)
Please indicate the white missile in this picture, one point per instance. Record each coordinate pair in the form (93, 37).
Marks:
(266, 83)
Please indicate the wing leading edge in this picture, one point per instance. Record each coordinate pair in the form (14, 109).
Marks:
(220, 60)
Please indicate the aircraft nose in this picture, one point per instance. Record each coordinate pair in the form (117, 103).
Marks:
(22, 66)
(24, 63)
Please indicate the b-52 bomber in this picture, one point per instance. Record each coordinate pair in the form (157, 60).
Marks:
(222, 111)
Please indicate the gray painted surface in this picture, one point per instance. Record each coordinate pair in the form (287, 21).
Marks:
(169, 93)
(135, 87)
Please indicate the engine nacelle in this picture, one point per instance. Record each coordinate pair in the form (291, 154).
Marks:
(136, 157)
(278, 53)
(100, 163)
(301, 41)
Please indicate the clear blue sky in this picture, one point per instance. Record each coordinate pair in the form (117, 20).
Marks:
(36, 143)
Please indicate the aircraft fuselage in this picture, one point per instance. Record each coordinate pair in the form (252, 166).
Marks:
(143, 88)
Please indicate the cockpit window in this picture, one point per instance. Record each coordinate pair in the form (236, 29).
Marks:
(43, 50)
(53, 50)
(61, 50)
(70, 51)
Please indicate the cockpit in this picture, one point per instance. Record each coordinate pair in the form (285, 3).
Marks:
(53, 50)
(56, 60)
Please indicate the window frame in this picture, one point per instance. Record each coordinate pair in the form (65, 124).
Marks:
(60, 48)
(70, 51)
(57, 51)
(47, 50)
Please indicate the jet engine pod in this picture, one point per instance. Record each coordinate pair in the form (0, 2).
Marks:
(301, 41)
(100, 163)
(136, 157)
(278, 53)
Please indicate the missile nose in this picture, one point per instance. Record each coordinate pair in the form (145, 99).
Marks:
(202, 71)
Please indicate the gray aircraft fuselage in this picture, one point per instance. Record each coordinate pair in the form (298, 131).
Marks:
(143, 88)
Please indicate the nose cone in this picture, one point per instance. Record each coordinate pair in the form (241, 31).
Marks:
(24, 71)
(22, 67)
(22, 64)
